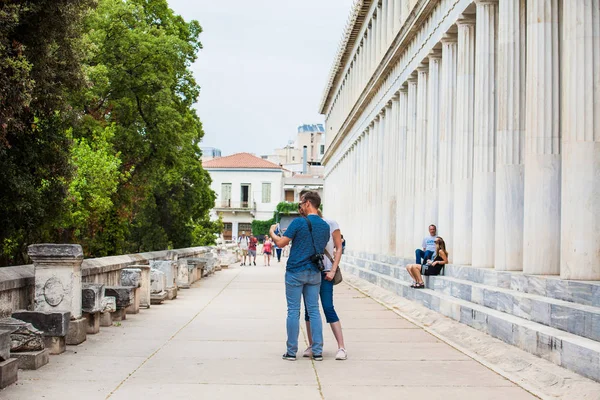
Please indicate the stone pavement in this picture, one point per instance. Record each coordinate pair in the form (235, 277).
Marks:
(223, 339)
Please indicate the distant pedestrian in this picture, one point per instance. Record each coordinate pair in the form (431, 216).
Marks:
(252, 249)
(343, 244)
(303, 273)
(267, 246)
(278, 249)
(243, 243)
(427, 247)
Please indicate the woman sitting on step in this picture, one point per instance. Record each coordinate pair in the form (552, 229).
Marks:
(432, 267)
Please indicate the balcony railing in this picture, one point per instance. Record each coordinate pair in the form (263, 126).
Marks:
(236, 205)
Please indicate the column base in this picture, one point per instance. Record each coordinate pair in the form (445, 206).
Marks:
(55, 344)
(171, 293)
(9, 371)
(134, 308)
(105, 319)
(32, 360)
(119, 315)
(77, 331)
(158, 298)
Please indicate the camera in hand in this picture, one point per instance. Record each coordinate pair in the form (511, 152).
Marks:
(317, 259)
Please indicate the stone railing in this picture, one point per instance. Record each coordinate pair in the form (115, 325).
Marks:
(62, 298)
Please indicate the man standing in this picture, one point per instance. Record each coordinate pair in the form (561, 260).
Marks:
(428, 246)
(309, 236)
(243, 243)
(252, 249)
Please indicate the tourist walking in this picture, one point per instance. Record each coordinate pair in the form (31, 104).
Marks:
(252, 250)
(434, 267)
(243, 243)
(267, 246)
(427, 247)
(303, 272)
(333, 255)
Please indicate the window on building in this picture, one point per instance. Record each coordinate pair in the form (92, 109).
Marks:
(226, 195)
(289, 196)
(244, 227)
(322, 149)
(266, 192)
(293, 158)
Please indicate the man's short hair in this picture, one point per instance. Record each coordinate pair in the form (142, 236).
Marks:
(313, 198)
(303, 192)
(433, 226)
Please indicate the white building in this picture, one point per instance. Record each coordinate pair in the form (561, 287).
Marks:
(247, 188)
(311, 136)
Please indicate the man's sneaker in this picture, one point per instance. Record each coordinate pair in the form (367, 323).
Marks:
(318, 357)
(307, 352)
(242, 264)
(254, 262)
(289, 357)
(341, 354)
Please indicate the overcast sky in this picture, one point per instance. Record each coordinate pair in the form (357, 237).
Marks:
(263, 68)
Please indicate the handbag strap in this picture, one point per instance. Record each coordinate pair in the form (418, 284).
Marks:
(311, 234)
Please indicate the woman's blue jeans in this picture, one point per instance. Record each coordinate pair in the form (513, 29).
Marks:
(326, 294)
(305, 283)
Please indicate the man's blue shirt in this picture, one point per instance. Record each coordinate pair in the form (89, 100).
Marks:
(302, 245)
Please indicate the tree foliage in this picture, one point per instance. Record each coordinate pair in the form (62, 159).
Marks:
(97, 130)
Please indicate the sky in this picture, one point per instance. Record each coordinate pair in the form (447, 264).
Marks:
(263, 67)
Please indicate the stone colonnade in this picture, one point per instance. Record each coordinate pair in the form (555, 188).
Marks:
(487, 125)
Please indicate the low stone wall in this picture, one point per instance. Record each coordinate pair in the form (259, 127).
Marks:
(17, 284)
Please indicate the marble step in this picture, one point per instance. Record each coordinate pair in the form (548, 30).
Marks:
(576, 353)
(580, 292)
(575, 318)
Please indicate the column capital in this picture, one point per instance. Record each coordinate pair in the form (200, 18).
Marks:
(403, 88)
(449, 38)
(412, 78)
(435, 54)
(396, 95)
(381, 113)
(483, 2)
(423, 68)
(389, 103)
(466, 19)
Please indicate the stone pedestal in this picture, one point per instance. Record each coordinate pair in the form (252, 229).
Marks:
(169, 268)
(158, 284)
(93, 322)
(4, 345)
(145, 285)
(55, 344)
(8, 372)
(57, 277)
(183, 274)
(105, 319)
(32, 360)
(134, 307)
(77, 331)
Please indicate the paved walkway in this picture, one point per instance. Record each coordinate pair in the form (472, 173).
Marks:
(223, 339)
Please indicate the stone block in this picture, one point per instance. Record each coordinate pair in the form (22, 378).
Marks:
(171, 293)
(109, 304)
(93, 322)
(9, 370)
(169, 268)
(500, 328)
(32, 359)
(568, 319)
(183, 274)
(134, 307)
(581, 359)
(92, 295)
(105, 319)
(50, 323)
(145, 285)
(158, 281)
(77, 331)
(158, 298)
(504, 302)
(581, 292)
(119, 315)
(23, 336)
(131, 277)
(4, 345)
(57, 277)
(124, 295)
(55, 344)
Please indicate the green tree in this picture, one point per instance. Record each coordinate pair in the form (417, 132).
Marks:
(39, 67)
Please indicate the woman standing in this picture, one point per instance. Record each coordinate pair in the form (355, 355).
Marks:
(267, 248)
(333, 255)
(434, 267)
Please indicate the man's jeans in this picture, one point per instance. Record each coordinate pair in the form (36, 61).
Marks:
(297, 284)
(278, 251)
(423, 255)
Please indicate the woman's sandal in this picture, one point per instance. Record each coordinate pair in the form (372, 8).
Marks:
(414, 285)
(420, 286)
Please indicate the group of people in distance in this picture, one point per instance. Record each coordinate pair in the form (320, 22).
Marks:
(248, 246)
(430, 259)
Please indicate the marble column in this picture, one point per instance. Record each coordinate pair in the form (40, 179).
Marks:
(401, 228)
(420, 177)
(541, 232)
(373, 154)
(433, 138)
(380, 179)
(580, 224)
(383, 9)
(446, 150)
(397, 15)
(409, 172)
(510, 136)
(393, 168)
(484, 147)
(391, 12)
(463, 156)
